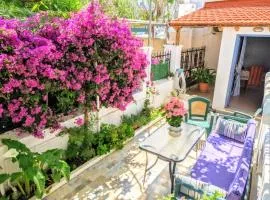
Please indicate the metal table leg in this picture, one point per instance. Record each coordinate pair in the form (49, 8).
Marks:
(148, 168)
(172, 166)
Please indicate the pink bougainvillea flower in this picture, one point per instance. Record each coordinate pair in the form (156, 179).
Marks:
(87, 55)
(29, 121)
(1, 110)
(155, 61)
(79, 122)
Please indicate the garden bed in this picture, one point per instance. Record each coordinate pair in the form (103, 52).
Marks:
(100, 145)
(76, 172)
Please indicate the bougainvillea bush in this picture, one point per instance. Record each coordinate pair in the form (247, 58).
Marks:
(50, 65)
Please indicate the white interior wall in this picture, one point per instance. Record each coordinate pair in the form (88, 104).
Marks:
(257, 52)
(226, 54)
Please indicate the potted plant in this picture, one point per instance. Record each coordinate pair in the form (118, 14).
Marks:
(204, 77)
(175, 112)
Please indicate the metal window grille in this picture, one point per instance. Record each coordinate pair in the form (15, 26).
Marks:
(192, 59)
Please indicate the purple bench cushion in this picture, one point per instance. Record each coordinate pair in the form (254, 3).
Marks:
(225, 162)
(218, 162)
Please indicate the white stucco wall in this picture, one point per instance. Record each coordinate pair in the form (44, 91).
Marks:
(211, 40)
(198, 37)
(225, 62)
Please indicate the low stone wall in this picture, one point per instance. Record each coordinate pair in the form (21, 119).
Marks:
(263, 170)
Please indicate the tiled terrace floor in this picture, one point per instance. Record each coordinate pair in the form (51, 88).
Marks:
(120, 175)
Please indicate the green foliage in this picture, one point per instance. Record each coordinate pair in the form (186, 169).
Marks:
(35, 168)
(213, 196)
(83, 144)
(80, 146)
(204, 75)
(13, 8)
(175, 121)
(65, 100)
(25, 8)
(121, 8)
(144, 117)
(57, 5)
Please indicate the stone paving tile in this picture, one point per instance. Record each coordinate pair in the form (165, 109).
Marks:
(120, 176)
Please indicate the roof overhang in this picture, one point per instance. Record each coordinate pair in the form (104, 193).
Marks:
(230, 13)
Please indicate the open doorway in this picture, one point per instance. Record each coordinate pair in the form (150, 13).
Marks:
(253, 62)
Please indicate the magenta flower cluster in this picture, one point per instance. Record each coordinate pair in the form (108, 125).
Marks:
(88, 54)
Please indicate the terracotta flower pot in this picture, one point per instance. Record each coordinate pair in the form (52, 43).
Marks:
(203, 87)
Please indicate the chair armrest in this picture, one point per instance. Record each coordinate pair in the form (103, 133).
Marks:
(258, 111)
(211, 121)
(242, 115)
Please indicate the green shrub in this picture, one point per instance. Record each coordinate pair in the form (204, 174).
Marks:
(144, 117)
(83, 144)
(36, 170)
(24, 8)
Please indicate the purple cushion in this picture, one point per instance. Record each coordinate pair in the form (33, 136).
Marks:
(232, 129)
(218, 162)
(222, 161)
(237, 187)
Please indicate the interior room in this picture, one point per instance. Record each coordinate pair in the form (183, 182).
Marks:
(253, 63)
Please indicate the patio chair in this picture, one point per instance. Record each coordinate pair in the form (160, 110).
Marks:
(242, 117)
(198, 111)
(238, 116)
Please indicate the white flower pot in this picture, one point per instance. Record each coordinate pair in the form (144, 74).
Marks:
(175, 131)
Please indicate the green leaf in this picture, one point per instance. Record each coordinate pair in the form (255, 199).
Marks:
(15, 176)
(50, 157)
(56, 176)
(35, 7)
(14, 144)
(64, 169)
(39, 180)
(4, 177)
(25, 161)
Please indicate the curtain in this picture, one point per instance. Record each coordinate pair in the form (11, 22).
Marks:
(236, 91)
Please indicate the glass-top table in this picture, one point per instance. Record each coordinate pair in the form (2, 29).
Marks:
(171, 149)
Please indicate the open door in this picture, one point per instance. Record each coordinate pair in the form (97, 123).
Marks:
(236, 56)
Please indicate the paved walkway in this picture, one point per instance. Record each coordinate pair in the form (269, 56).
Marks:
(120, 175)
